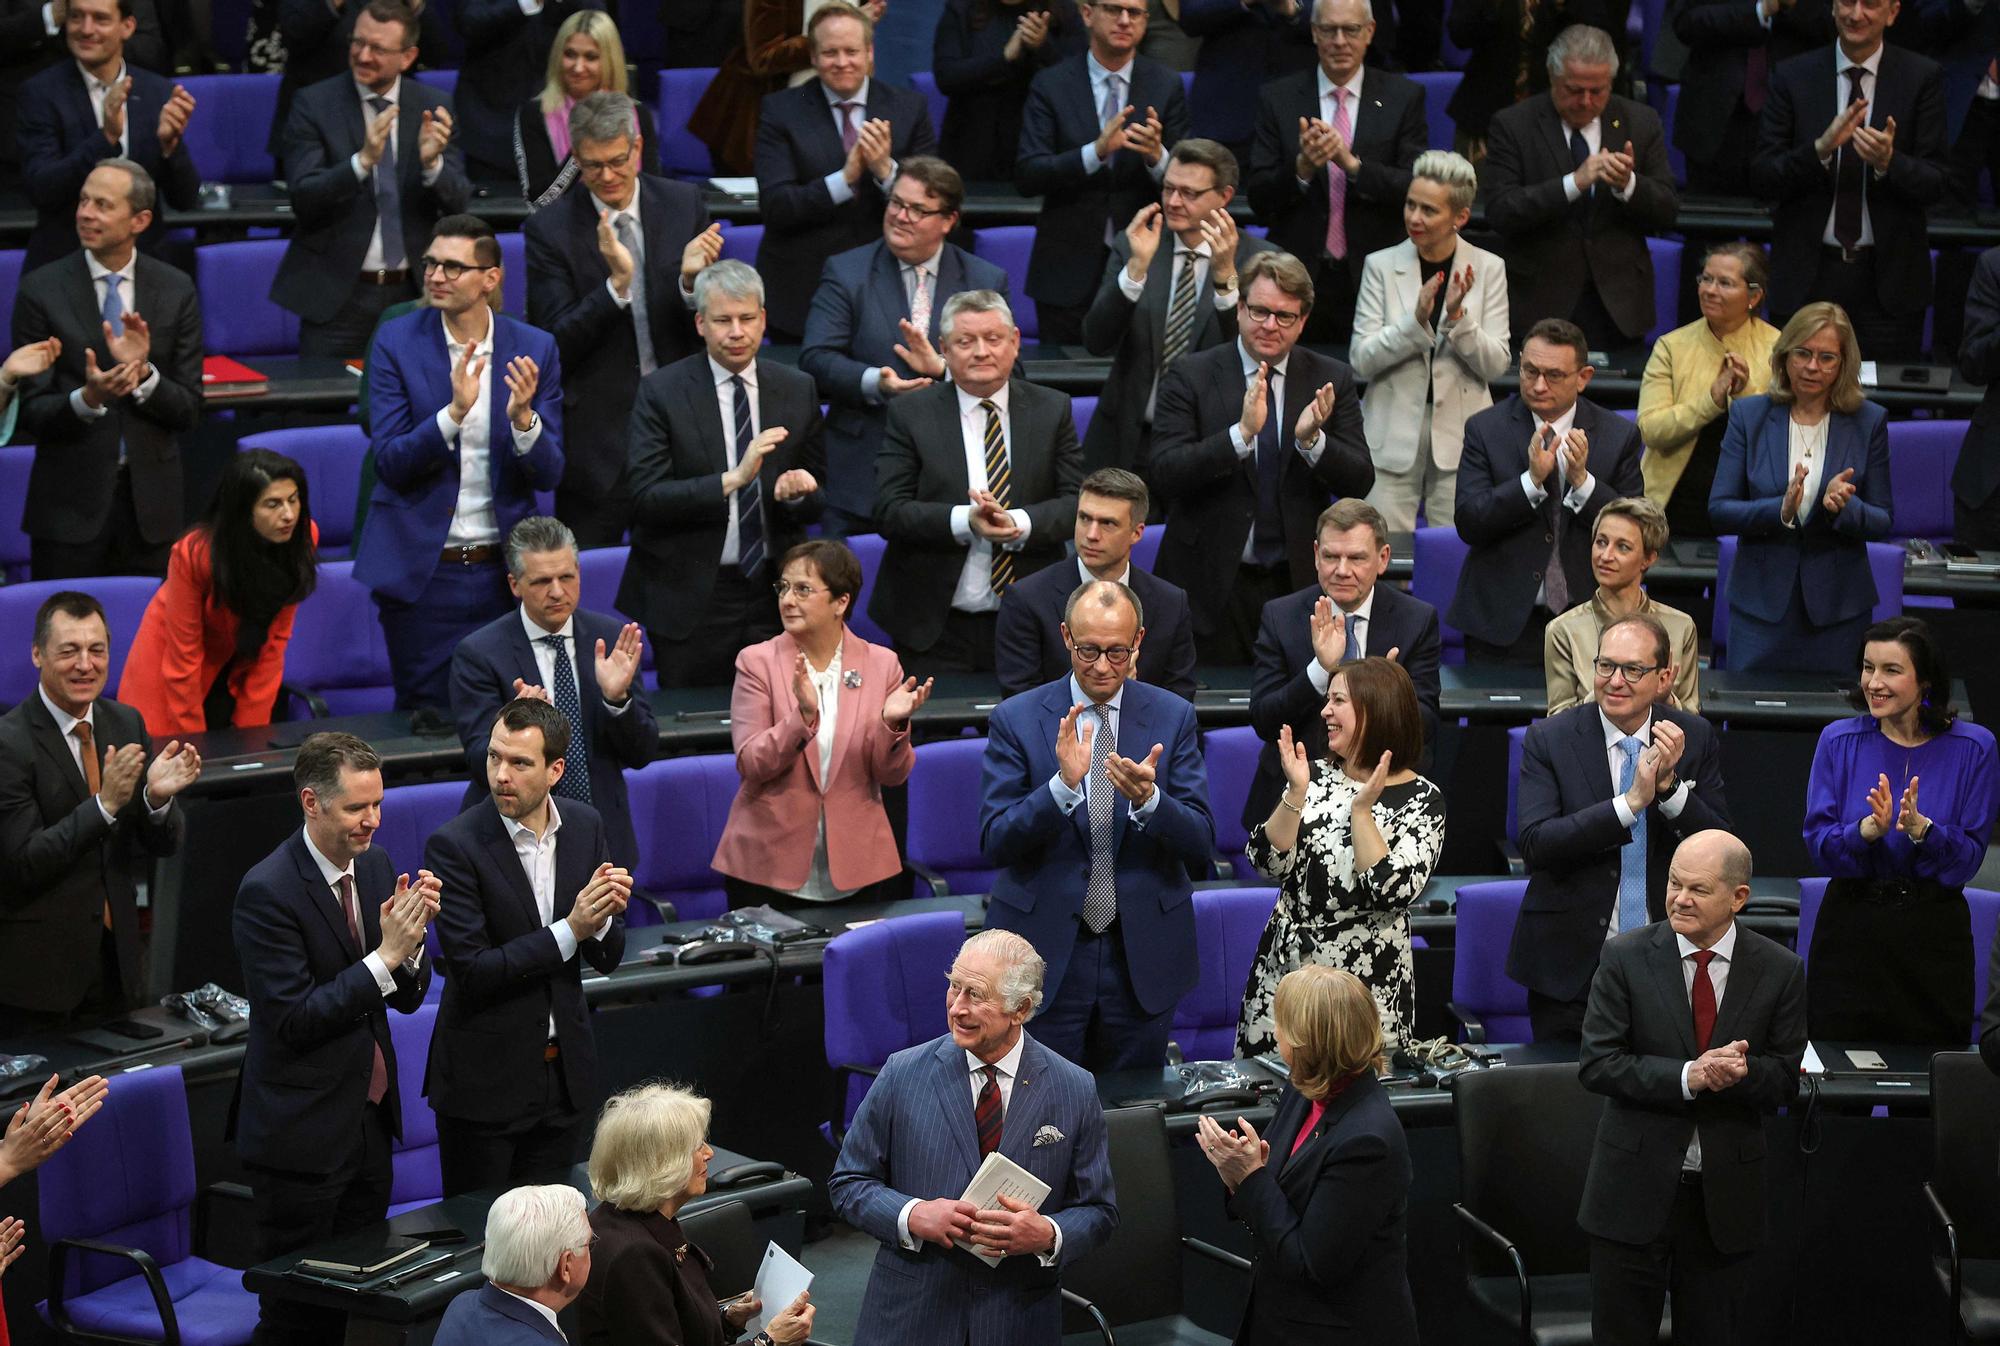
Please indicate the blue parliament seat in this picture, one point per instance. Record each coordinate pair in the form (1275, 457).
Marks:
(1439, 86)
(416, 1176)
(1007, 246)
(1885, 562)
(679, 806)
(944, 830)
(331, 456)
(868, 549)
(1489, 1005)
(1231, 758)
(16, 462)
(1666, 255)
(225, 135)
(514, 275)
(741, 241)
(682, 155)
(925, 83)
(1922, 456)
(1228, 923)
(1436, 559)
(884, 991)
(338, 662)
(445, 81)
(238, 318)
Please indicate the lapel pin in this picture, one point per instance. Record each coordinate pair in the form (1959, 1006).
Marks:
(851, 678)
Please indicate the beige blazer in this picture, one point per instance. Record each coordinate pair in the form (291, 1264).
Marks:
(1569, 646)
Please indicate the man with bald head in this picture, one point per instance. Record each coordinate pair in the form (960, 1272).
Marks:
(1694, 1034)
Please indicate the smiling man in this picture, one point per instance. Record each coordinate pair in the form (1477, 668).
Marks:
(1629, 536)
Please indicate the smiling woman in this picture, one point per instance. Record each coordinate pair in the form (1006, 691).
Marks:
(1627, 540)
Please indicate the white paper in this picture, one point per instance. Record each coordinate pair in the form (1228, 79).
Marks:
(1868, 373)
(780, 1280)
(744, 187)
(1811, 1065)
(1000, 1176)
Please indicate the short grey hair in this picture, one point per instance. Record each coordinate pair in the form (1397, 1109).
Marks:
(527, 1232)
(1105, 594)
(601, 118)
(536, 533)
(1451, 171)
(973, 301)
(1580, 44)
(728, 279)
(1021, 968)
(142, 194)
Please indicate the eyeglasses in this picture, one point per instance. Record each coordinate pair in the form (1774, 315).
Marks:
(1326, 32)
(592, 167)
(798, 590)
(911, 210)
(1135, 13)
(1533, 374)
(1119, 655)
(1633, 672)
(1280, 318)
(451, 271)
(1706, 281)
(361, 48)
(1818, 359)
(1170, 192)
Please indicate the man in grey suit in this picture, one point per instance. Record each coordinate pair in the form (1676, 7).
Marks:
(1694, 1034)
(872, 331)
(932, 1116)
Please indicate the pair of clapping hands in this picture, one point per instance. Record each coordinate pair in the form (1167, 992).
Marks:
(37, 1130)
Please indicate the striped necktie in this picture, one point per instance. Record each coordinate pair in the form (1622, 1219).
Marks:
(749, 500)
(1180, 310)
(997, 483)
(986, 1112)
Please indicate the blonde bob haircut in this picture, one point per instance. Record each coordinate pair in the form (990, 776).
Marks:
(1330, 1019)
(600, 28)
(1846, 397)
(643, 1153)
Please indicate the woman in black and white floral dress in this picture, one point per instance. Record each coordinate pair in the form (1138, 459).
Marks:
(1352, 842)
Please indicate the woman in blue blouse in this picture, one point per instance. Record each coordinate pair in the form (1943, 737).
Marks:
(1898, 811)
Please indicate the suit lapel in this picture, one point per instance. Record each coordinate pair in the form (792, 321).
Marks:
(50, 744)
(500, 846)
(1554, 133)
(409, 127)
(82, 294)
(954, 1098)
(499, 434)
(319, 896)
(848, 697)
(716, 436)
(822, 123)
(1664, 962)
(949, 440)
(1017, 1129)
(1591, 754)
(885, 290)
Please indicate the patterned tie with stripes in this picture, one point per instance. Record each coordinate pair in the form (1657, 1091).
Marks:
(986, 1112)
(1180, 312)
(749, 500)
(997, 483)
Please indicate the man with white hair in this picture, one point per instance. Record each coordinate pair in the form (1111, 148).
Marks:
(537, 1260)
(934, 1114)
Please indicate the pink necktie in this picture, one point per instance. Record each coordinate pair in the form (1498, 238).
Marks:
(1336, 182)
(849, 132)
(378, 1069)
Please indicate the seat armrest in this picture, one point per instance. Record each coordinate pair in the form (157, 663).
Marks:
(225, 1191)
(1097, 1317)
(1941, 1223)
(156, 1283)
(1475, 1027)
(1215, 1254)
(315, 704)
(1517, 868)
(1503, 1244)
(938, 886)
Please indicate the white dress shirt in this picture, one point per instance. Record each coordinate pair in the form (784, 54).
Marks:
(1069, 800)
(538, 861)
(637, 247)
(836, 182)
(1593, 139)
(545, 660)
(66, 724)
(1364, 611)
(1841, 85)
(128, 297)
(1669, 805)
(1247, 448)
(97, 90)
(725, 401)
(818, 886)
(1325, 85)
(1085, 577)
(474, 523)
(372, 260)
(975, 577)
(1718, 977)
(385, 982)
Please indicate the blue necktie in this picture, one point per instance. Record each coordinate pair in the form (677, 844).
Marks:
(575, 783)
(1632, 855)
(1352, 649)
(388, 196)
(114, 316)
(749, 500)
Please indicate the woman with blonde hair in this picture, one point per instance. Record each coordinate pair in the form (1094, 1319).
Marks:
(1625, 542)
(588, 57)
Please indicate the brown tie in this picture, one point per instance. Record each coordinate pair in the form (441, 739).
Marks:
(93, 778)
(378, 1070)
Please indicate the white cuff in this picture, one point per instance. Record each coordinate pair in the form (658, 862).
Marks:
(1022, 522)
(1571, 192)
(447, 427)
(961, 524)
(354, 162)
(622, 300)
(1577, 497)
(1066, 798)
(622, 706)
(837, 188)
(84, 411)
(1244, 447)
(1672, 805)
(1536, 495)
(531, 7)
(903, 1237)
(565, 938)
(148, 384)
(524, 440)
(54, 29)
(1139, 813)
(1091, 163)
(1687, 1094)
(1311, 452)
(1623, 808)
(1631, 185)
(385, 981)
(1054, 1254)
(871, 384)
(1317, 675)
(432, 173)
(1128, 287)
(110, 818)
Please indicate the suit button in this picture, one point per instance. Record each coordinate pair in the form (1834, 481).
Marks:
(1549, 537)
(1538, 577)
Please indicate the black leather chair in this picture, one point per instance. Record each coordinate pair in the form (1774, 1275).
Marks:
(1963, 1195)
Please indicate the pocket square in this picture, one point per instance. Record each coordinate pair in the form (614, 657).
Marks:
(1048, 1135)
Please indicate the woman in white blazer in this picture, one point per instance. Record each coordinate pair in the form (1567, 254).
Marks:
(1430, 333)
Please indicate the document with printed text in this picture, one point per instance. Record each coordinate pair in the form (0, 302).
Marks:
(1000, 1176)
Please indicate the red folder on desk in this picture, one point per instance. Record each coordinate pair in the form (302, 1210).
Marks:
(224, 377)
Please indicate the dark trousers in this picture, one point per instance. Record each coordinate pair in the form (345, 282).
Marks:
(835, 522)
(423, 635)
(1894, 337)
(965, 645)
(743, 893)
(104, 997)
(346, 335)
(597, 521)
(1556, 1020)
(1524, 651)
(1598, 325)
(1059, 324)
(741, 612)
(474, 1156)
(1630, 1282)
(118, 548)
(1332, 318)
(296, 1210)
(1094, 1018)
(1978, 527)
(1233, 642)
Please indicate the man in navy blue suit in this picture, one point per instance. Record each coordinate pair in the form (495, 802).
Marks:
(536, 1263)
(467, 427)
(921, 1134)
(585, 663)
(1093, 832)
(317, 1103)
(862, 345)
(99, 106)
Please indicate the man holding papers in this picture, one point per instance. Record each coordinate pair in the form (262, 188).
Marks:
(930, 1122)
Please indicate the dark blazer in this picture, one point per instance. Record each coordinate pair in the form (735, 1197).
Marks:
(1211, 494)
(679, 514)
(798, 144)
(1390, 131)
(60, 862)
(1555, 248)
(1571, 837)
(1489, 31)
(1910, 89)
(921, 478)
(1028, 647)
(26, 49)
(1825, 558)
(1242, 47)
(1133, 335)
(1637, 1034)
(1977, 475)
(335, 213)
(490, 1316)
(640, 1275)
(985, 90)
(1510, 538)
(316, 1012)
(483, 670)
(1719, 36)
(416, 472)
(1330, 1225)
(851, 329)
(542, 179)
(504, 974)
(61, 142)
(75, 476)
(315, 38)
(568, 298)
(506, 60)
(1282, 691)
(1060, 118)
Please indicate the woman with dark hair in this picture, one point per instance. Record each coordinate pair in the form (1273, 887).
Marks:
(1352, 843)
(983, 58)
(1898, 811)
(588, 57)
(210, 651)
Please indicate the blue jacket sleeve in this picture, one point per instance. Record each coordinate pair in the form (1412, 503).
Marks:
(1018, 817)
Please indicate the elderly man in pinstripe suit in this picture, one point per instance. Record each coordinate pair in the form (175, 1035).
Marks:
(927, 1124)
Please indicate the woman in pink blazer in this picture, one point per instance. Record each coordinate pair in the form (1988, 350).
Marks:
(821, 722)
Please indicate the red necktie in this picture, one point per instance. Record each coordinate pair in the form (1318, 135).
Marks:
(986, 1112)
(378, 1070)
(1704, 999)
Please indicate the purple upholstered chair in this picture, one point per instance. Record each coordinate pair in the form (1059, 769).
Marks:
(598, 571)
(944, 828)
(16, 462)
(1081, 409)
(1007, 246)
(679, 805)
(117, 1206)
(1517, 738)
(331, 456)
(11, 260)
(867, 549)
(1147, 549)
(1666, 255)
(1231, 757)
(410, 813)
(683, 155)
(1435, 562)
(1439, 86)
(215, 136)
(1922, 456)
(741, 241)
(925, 83)
(238, 318)
(338, 663)
(1228, 922)
(416, 1180)
(124, 598)
(885, 987)
(444, 81)
(1491, 1005)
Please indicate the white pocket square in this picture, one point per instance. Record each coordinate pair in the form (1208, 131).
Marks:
(1048, 1135)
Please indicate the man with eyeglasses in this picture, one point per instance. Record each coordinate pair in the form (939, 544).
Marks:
(1331, 162)
(468, 425)
(1252, 440)
(1095, 805)
(1534, 472)
(372, 170)
(1607, 790)
(726, 457)
(611, 275)
(872, 335)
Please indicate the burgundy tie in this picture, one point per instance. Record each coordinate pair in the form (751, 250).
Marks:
(986, 1112)
(849, 132)
(378, 1070)
(1704, 999)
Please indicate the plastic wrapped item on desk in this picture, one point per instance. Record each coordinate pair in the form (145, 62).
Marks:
(1206, 1084)
(22, 1067)
(223, 1016)
(768, 925)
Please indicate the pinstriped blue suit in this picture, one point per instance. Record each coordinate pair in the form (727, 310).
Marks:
(914, 1138)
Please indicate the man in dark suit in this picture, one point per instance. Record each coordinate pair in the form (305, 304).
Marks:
(536, 1263)
(104, 495)
(1607, 790)
(1575, 182)
(1732, 50)
(468, 425)
(31, 40)
(1331, 161)
(1028, 648)
(611, 275)
(726, 459)
(1695, 1033)
(1094, 139)
(1530, 557)
(586, 663)
(314, 35)
(863, 345)
(317, 1103)
(506, 60)
(372, 169)
(1253, 440)
(826, 155)
(1305, 637)
(1244, 46)
(1146, 316)
(513, 1066)
(1975, 481)
(94, 107)
(1854, 186)
(84, 807)
(975, 488)
(1093, 832)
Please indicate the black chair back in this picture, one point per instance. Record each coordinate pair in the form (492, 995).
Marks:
(1136, 1275)
(1965, 1161)
(1524, 1139)
(729, 1236)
